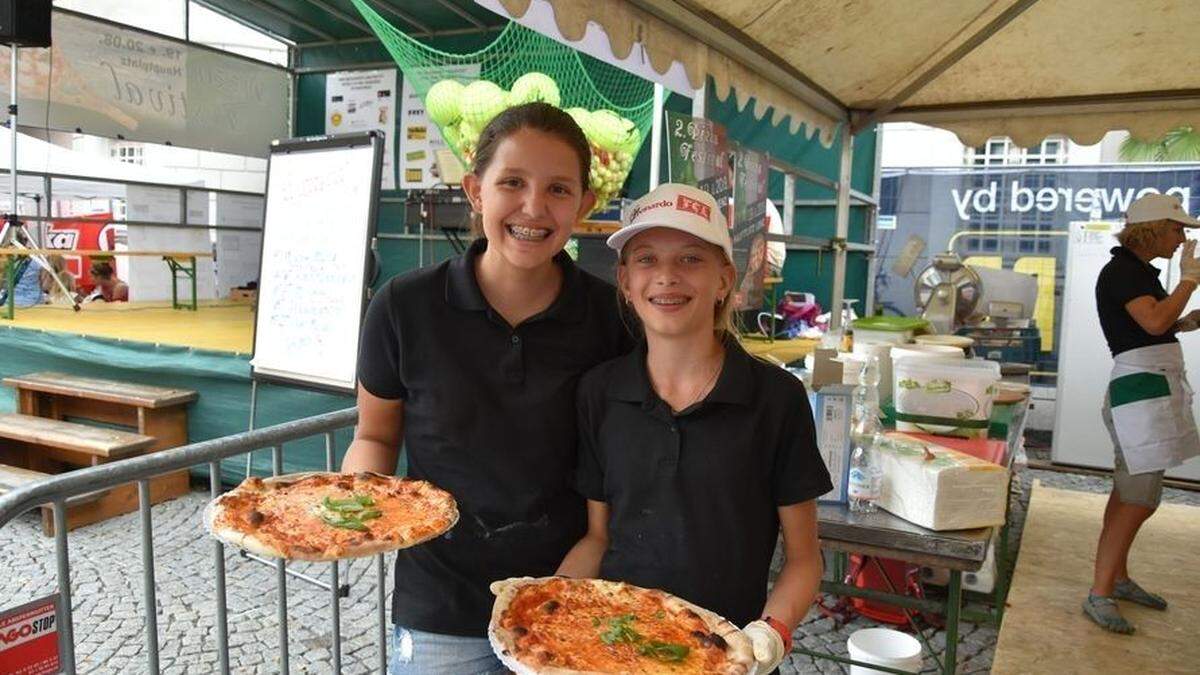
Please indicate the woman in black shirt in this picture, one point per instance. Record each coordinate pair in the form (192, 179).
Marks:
(1147, 408)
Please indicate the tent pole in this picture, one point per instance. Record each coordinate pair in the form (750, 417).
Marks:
(843, 229)
(656, 131)
(700, 103)
(873, 258)
(13, 223)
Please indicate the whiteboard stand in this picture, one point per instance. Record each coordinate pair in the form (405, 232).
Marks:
(319, 253)
(319, 221)
(253, 410)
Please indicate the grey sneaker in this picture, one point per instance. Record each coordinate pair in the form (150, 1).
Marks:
(1129, 590)
(1104, 612)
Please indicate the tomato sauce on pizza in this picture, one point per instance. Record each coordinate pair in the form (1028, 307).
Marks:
(330, 516)
(560, 625)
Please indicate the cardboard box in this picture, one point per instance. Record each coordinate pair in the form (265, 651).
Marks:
(243, 295)
(826, 370)
(831, 413)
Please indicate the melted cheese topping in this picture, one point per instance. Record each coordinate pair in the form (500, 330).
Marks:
(560, 623)
(287, 516)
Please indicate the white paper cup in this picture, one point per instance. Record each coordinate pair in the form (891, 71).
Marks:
(883, 647)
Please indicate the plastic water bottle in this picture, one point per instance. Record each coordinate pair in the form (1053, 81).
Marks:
(864, 413)
(865, 476)
(863, 490)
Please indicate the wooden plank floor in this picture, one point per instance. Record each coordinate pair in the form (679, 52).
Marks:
(1044, 629)
(226, 327)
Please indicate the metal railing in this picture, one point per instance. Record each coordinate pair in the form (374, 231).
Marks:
(56, 490)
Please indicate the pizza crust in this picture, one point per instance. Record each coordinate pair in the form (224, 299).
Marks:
(739, 651)
(256, 545)
(237, 538)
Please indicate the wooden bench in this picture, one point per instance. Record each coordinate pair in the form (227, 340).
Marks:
(13, 477)
(40, 446)
(156, 412)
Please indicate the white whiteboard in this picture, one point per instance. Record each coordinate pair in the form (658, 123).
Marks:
(318, 223)
(1080, 437)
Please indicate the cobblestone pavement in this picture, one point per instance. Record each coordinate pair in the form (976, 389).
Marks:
(110, 625)
(106, 566)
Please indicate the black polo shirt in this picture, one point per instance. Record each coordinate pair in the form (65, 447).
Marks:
(693, 497)
(1122, 279)
(489, 415)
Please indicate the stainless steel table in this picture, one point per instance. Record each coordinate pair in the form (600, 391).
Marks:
(882, 535)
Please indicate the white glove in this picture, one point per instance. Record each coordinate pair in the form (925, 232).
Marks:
(768, 646)
(1189, 264)
(1188, 322)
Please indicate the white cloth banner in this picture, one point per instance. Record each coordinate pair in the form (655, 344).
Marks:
(117, 81)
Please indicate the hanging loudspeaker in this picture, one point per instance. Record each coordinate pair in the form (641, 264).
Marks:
(25, 23)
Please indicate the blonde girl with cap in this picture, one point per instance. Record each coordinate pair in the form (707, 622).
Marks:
(472, 366)
(693, 454)
(1148, 403)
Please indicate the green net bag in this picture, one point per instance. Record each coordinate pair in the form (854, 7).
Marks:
(614, 108)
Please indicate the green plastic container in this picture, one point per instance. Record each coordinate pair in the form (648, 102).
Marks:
(895, 330)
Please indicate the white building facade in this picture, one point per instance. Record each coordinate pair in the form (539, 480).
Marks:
(911, 145)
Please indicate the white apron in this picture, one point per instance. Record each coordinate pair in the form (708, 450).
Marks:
(1151, 406)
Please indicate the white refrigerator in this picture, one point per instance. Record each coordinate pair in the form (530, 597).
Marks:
(1084, 361)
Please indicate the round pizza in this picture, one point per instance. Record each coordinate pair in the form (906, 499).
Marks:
(330, 516)
(561, 626)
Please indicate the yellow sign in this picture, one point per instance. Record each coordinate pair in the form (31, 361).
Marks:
(1043, 268)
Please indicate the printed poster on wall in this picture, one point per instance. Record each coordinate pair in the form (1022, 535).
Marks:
(420, 138)
(749, 229)
(699, 155)
(365, 100)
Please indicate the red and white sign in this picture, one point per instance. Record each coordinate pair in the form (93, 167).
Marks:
(89, 233)
(29, 638)
(694, 206)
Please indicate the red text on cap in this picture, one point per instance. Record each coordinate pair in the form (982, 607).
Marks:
(693, 206)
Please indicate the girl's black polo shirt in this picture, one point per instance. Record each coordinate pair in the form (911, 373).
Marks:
(489, 415)
(693, 497)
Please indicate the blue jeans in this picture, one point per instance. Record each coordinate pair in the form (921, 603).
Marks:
(416, 652)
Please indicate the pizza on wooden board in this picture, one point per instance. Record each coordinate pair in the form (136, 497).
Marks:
(330, 516)
(561, 626)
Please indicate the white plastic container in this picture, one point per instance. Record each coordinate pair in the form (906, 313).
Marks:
(927, 352)
(890, 330)
(960, 341)
(875, 337)
(883, 647)
(944, 396)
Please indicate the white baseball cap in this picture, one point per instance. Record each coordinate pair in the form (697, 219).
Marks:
(1154, 206)
(679, 207)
